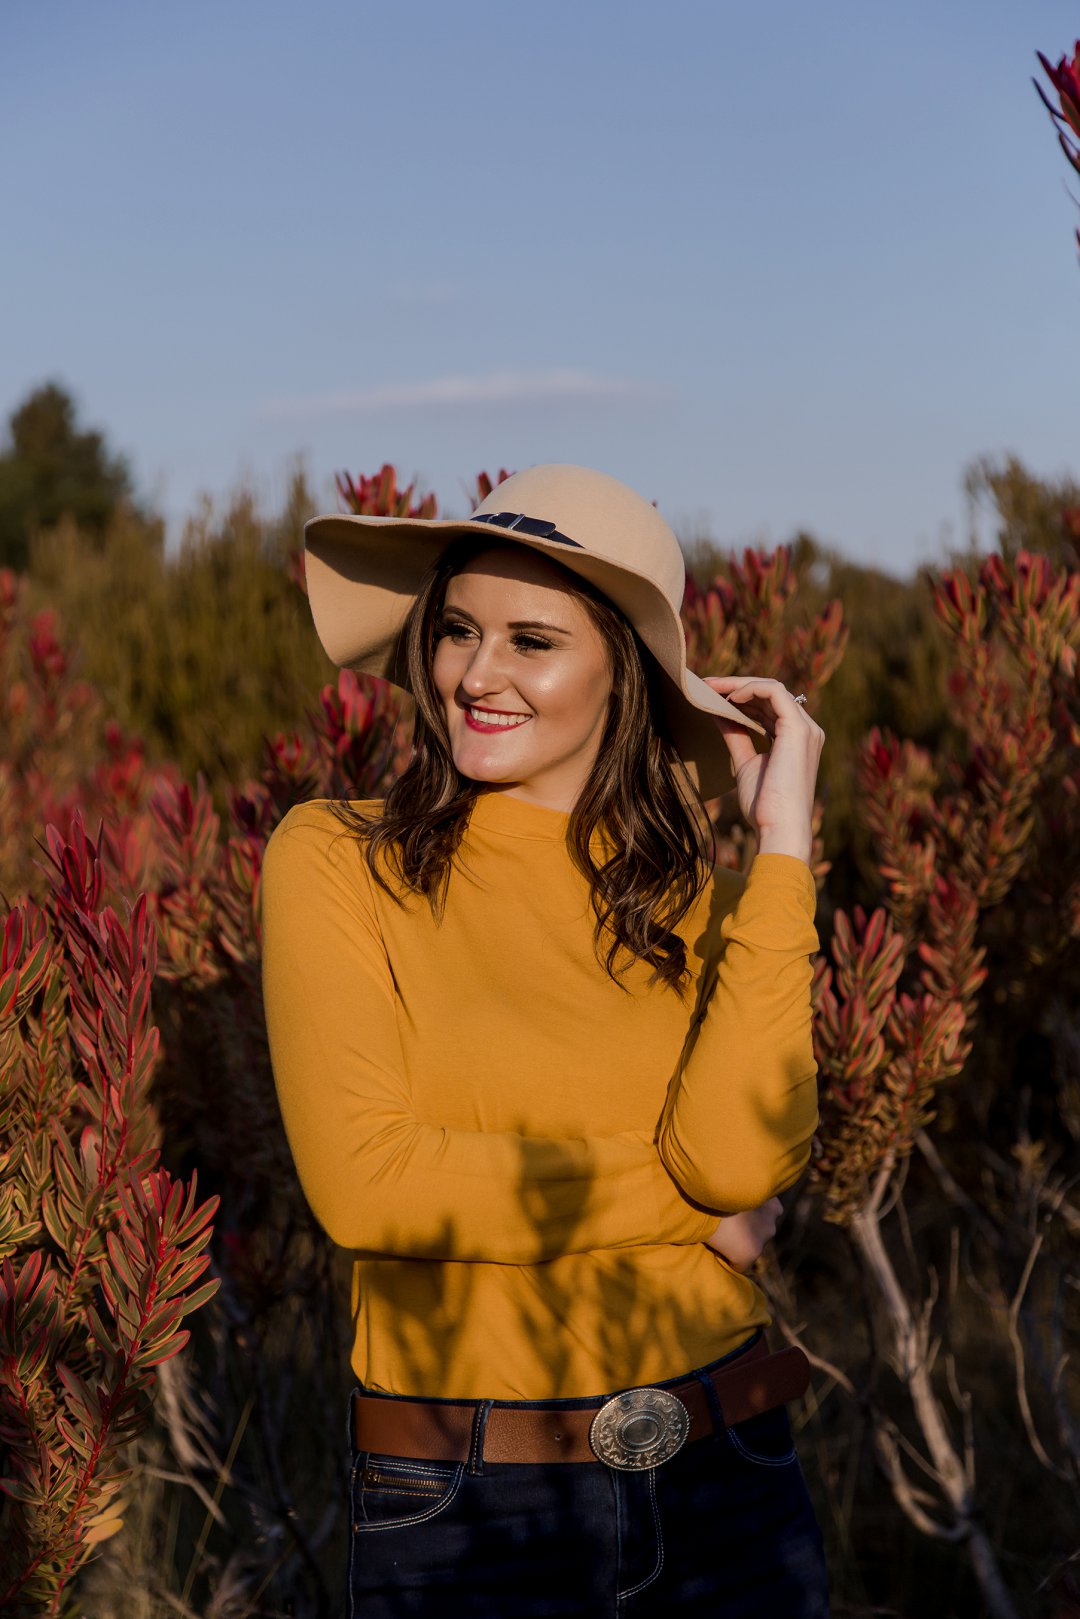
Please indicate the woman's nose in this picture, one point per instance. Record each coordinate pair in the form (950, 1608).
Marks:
(485, 670)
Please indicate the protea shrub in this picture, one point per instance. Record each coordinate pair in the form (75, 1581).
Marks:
(988, 816)
(101, 1249)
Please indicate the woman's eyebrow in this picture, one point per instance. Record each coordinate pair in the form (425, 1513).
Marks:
(514, 623)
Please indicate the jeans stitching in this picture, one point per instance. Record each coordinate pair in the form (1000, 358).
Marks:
(352, 1540)
(479, 1428)
(761, 1461)
(640, 1586)
(361, 1528)
(402, 1464)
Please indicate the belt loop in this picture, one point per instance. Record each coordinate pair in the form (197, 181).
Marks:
(476, 1446)
(713, 1398)
(350, 1423)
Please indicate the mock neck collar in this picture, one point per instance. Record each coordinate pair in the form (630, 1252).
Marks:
(496, 810)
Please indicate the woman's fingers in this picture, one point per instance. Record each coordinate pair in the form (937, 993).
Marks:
(740, 743)
(741, 1238)
(762, 698)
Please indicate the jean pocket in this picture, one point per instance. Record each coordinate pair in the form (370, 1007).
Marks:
(389, 1492)
(764, 1438)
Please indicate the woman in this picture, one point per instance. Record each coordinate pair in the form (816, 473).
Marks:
(543, 1067)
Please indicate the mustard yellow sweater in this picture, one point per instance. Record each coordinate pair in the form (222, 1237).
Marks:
(523, 1158)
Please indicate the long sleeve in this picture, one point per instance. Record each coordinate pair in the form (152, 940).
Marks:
(739, 1117)
(376, 1177)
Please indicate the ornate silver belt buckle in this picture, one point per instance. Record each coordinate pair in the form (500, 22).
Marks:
(639, 1428)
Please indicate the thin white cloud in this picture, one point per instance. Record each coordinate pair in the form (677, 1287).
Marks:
(562, 386)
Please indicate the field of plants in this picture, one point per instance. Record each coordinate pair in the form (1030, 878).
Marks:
(174, 1325)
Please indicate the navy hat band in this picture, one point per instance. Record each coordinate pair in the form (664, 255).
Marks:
(536, 526)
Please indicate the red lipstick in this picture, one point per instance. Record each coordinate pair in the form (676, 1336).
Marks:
(476, 724)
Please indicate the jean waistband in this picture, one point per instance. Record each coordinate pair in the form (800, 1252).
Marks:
(592, 1427)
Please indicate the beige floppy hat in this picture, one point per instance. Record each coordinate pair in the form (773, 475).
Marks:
(363, 574)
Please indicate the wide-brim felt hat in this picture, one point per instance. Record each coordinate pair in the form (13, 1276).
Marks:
(363, 574)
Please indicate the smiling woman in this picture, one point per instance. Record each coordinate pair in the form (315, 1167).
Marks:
(516, 650)
(501, 628)
(534, 1054)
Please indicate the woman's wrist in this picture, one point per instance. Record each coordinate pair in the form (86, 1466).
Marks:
(781, 840)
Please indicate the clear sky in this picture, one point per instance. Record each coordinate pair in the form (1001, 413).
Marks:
(776, 265)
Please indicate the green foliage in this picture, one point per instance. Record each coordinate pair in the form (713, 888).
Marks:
(203, 653)
(51, 468)
(1029, 513)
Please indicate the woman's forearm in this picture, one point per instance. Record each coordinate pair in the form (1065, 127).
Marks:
(742, 1110)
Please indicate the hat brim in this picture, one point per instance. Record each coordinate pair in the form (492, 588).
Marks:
(361, 583)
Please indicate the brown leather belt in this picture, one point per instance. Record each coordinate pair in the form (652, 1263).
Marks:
(635, 1428)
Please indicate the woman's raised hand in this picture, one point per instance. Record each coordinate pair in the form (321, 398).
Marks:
(775, 788)
(741, 1237)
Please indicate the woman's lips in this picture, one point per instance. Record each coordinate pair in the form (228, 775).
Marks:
(475, 724)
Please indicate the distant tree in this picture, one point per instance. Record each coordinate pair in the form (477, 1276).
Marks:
(1031, 513)
(49, 468)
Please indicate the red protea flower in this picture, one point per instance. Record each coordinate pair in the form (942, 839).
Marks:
(485, 484)
(1066, 81)
(379, 495)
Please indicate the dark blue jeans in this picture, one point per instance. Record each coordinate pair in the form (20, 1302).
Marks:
(723, 1528)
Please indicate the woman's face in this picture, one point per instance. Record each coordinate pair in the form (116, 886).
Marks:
(523, 676)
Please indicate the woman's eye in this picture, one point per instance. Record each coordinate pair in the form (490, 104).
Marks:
(530, 643)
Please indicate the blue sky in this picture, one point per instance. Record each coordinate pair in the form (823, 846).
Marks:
(774, 265)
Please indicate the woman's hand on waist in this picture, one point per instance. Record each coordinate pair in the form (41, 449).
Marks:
(740, 1238)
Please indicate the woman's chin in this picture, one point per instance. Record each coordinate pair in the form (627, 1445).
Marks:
(479, 772)
(479, 765)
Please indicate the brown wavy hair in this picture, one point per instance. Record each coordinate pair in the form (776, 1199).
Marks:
(638, 796)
